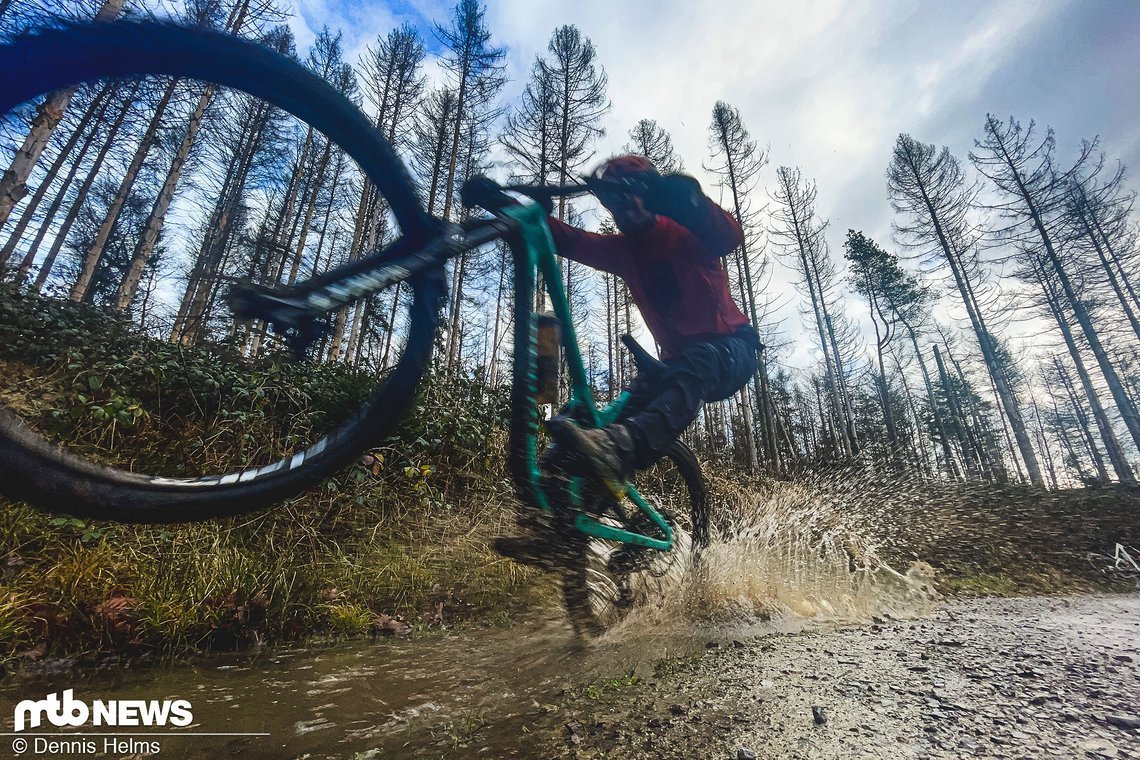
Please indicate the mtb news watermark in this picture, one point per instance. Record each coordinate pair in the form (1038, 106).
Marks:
(102, 726)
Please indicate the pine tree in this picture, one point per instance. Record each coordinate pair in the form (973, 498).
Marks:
(649, 139)
(800, 236)
(928, 188)
(736, 160)
(1026, 175)
(13, 183)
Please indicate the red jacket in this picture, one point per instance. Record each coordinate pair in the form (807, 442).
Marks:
(676, 278)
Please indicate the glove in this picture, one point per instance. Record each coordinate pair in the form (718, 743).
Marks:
(677, 196)
(546, 200)
(484, 192)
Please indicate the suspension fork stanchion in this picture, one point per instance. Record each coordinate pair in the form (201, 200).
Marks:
(408, 259)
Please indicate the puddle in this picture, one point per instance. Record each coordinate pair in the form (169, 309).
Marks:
(800, 556)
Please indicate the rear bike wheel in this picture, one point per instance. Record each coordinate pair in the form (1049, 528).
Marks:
(100, 479)
(604, 581)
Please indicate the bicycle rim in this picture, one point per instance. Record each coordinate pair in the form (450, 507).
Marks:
(96, 480)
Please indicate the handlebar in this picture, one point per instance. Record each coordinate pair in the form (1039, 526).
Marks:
(487, 194)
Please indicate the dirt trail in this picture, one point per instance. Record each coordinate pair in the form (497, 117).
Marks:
(1019, 678)
(1025, 678)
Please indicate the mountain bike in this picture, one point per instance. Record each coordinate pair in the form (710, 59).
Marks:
(617, 541)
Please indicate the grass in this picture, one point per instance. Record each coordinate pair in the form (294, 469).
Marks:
(403, 541)
(283, 574)
(464, 729)
(598, 689)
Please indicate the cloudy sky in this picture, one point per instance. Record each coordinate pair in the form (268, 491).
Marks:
(826, 85)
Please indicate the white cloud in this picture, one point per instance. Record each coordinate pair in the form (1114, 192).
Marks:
(827, 84)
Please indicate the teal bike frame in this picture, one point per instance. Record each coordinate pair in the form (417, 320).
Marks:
(533, 250)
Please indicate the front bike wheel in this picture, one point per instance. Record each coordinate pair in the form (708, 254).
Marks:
(93, 481)
(604, 580)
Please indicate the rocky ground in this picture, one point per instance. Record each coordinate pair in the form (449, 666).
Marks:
(1017, 678)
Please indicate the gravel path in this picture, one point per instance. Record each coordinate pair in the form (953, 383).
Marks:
(1018, 678)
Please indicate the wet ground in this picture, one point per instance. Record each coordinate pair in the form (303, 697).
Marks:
(1029, 677)
(791, 638)
(1018, 678)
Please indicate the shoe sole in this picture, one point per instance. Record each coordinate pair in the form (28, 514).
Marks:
(569, 436)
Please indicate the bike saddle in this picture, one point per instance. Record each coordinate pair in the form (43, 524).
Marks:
(646, 363)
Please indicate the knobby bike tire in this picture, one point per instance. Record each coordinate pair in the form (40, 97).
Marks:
(44, 475)
(585, 603)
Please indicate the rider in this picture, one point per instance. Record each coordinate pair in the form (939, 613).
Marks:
(669, 250)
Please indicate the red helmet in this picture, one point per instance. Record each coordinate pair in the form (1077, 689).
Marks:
(625, 166)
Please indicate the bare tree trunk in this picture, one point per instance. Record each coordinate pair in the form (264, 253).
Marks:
(310, 210)
(1112, 446)
(202, 283)
(493, 362)
(748, 297)
(1067, 442)
(749, 430)
(362, 310)
(337, 169)
(832, 375)
(1004, 429)
(881, 385)
(1124, 404)
(995, 468)
(60, 195)
(1044, 443)
(154, 223)
(947, 453)
(1086, 429)
(922, 455)
(459, 274)
(340, 321)
(224, 240)
(1121, 272)
(1008, 398)
(13, 184)
(848, 418)
(272, 269)
(1109, 272)
(76, 205)
(95, 253)
(157, 218)
(969, 454)
(93, 114)
(771, 443)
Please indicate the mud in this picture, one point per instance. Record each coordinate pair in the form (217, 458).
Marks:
(1017, 678)
(811, 628)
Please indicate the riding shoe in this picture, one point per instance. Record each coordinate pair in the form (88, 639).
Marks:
(548, 549)
(597, 449)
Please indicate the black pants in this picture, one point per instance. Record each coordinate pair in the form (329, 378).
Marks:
(662, 405)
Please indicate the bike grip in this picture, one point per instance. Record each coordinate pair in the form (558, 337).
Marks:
(485, 193)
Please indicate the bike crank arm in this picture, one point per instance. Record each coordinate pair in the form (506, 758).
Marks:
(298, 312)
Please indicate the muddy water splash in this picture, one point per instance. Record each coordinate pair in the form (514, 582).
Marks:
(794, 555)
(799, 552)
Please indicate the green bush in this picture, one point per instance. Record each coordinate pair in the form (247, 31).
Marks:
(404, 532)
